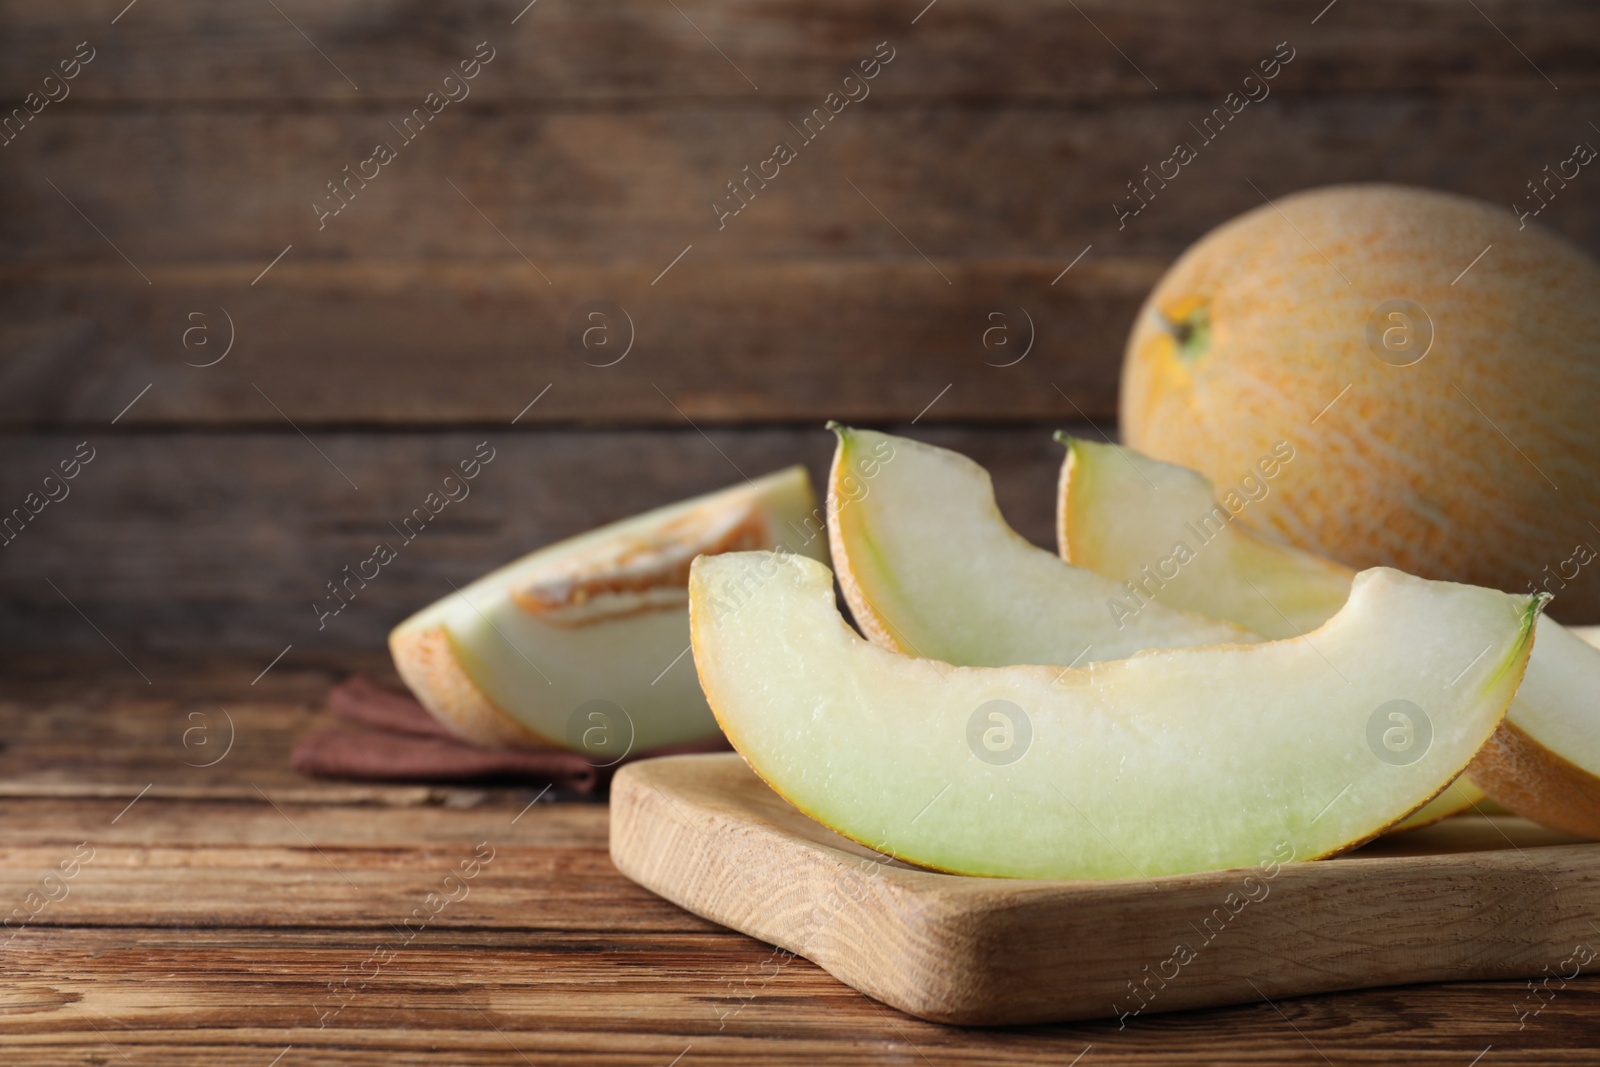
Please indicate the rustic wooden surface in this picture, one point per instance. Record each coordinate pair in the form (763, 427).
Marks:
(591, 148)
(612, 50)
(1474, 897)
(143, 216)
(410, 308)
(138, 215)
(218, 908)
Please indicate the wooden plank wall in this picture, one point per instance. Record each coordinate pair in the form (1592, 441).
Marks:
(162, 207)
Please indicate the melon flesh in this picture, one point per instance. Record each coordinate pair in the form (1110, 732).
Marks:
(509, 660)
(1160, 527)
(1171, 761)
(929, 567)
(1118, 510)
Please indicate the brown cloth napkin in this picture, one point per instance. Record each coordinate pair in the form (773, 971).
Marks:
(395, 738)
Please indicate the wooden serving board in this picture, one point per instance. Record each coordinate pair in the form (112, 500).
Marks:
(1475, 897)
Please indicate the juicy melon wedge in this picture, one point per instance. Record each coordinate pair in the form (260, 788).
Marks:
(518, 657)
(929, 567)
(1160, 527)
(1172, 761)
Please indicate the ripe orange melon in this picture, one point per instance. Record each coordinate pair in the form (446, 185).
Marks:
(1432, 362)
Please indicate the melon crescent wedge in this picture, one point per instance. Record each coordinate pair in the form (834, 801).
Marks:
(1172, 761)
(1160, 528)
(929, 567)
(579, 644)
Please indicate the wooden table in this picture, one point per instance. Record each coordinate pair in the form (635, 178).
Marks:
(241, 914)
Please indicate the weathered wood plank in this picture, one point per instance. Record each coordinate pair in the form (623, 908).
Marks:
(638, 51)
(809, 305)
(43, 824)
(539, 886)
(717, 342)
(216, 729)
(226, 540)
(589, 187)
(480, 997)
(198, 729)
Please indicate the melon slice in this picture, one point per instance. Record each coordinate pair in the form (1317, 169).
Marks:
(1544, 762)
(1159, 528)
(930, 568)
(578, 645)
(1173, 761)
(1123, 514)
(1458, 797)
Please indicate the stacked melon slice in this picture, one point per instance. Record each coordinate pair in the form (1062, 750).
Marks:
(1118, 509)
(1013, 713)
(1172, 693)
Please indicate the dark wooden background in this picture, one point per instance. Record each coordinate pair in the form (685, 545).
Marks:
(426, 316)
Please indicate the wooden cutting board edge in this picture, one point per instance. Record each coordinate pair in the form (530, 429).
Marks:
(705, 833)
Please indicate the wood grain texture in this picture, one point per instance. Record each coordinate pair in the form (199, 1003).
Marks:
(572, 964)
(209, 728)
(705, 832)
(445, 345)
(462, 997)
(208, 930)
(411, 308)
(593, 187)
(209, 542)
(632, 50)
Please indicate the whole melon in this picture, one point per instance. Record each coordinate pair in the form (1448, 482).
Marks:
(1430, 363)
